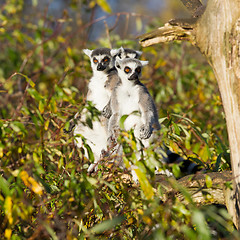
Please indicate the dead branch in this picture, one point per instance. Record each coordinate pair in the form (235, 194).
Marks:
(167, 33)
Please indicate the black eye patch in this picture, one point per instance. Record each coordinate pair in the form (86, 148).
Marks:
(138, 70)
(127, 70)
(95, 60)
(106, 59)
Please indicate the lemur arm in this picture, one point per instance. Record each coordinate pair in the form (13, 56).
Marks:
(110, 84)
(113, 126)
(149, 114)
(107, 111)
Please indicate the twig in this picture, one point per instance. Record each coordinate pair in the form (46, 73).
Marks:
(107, 33)
(126, 26)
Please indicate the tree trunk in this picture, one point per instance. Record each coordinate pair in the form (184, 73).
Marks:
(217, 34)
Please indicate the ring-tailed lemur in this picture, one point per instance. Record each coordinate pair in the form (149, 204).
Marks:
(129, 96)
(96, 137)
(112, 77)
(102, 63)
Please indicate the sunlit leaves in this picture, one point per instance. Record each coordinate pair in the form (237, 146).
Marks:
(31, 183)
(8, 209)
(144, 183)
(45, 189)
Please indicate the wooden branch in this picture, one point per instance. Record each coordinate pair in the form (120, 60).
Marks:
(218, 193)
(167, 33)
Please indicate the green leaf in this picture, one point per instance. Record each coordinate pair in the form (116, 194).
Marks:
(122, 120)
(31, 83)
(34, 94)
(50, 231)
(217, 165)
(208, 181)
(176, 170)
(89, 150)
(4, 186)
(176, 128)
(201, 226)
(144, 183)
(181, 117)
(106, 225)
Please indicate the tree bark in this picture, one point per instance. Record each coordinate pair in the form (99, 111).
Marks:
(217, 35)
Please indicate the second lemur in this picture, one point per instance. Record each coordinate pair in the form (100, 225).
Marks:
(129, 96)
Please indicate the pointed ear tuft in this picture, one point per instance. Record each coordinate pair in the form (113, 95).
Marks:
(144, 63)
(88, 52)
(139, 53)
(121, 49)
(114, 52)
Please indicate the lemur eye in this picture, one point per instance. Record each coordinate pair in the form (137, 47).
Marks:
(127, 70)
(95, 60)
(106, 59)
(138, 70)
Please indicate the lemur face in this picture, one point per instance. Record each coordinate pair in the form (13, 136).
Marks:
(130, 68)
(101, 59)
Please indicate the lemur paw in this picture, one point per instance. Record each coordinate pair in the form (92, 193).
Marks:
(145, 132)
(107, 112)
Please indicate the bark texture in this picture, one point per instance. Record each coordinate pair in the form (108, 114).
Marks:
(216, 32)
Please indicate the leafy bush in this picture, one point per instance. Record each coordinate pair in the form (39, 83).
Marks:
(45, 189)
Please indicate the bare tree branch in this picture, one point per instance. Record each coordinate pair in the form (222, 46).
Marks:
(218, 193)
(167, 33)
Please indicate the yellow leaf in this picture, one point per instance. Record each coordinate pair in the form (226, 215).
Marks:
(140, 211)
(1, 152)
(46, 124)
(8, 233)
(144, 183)
(31, 183)
(41, 107)
(8, 209)
(147, 220)
(104, 5)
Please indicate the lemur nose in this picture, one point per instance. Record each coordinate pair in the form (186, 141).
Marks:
(134, 76)
(100, 67)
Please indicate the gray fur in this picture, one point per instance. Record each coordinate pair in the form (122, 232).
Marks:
(101, 51)
(141, 100)
(113, 78)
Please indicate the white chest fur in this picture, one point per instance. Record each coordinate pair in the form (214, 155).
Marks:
(97, 93)
(128, 99)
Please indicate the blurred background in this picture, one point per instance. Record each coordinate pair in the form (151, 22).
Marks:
(45, 188)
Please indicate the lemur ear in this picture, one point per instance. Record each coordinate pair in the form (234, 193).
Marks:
(118, 62)
(114, 52)
(144, 63)
(88, 52)
(121, 49)
(139, 53)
